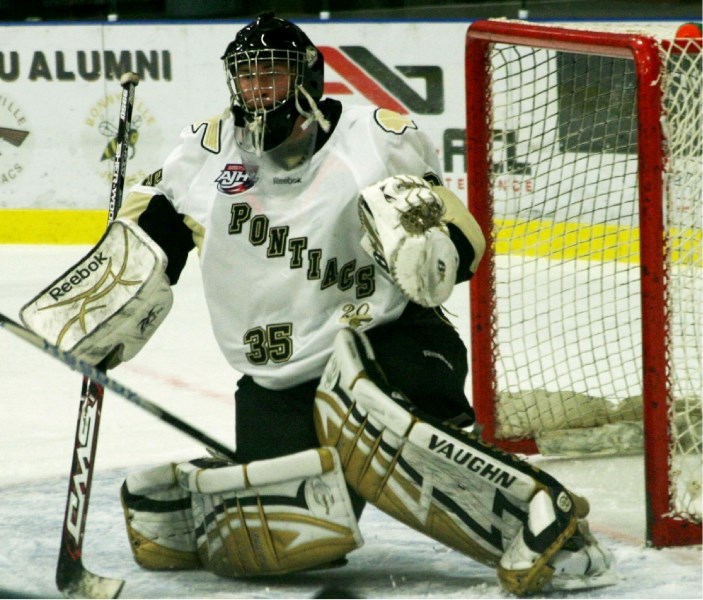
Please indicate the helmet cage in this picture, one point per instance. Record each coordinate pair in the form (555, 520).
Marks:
(260, 81)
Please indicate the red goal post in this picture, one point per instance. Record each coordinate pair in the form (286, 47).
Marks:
(584, 172)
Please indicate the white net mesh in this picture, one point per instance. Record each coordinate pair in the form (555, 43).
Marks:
(683, 128)
(568, 318)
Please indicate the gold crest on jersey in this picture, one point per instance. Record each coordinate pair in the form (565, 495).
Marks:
(393, 122)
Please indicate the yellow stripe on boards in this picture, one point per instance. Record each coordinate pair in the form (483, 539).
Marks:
(567, 241)
(600, 242)
(43, 226)
(558, 241)
(687, 247)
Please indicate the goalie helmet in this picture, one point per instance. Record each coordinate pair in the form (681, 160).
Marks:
(274, 74)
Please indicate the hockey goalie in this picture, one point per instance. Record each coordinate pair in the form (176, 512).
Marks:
(327, 245)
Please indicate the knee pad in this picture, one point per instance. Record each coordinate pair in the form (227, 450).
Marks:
(267, 517)
(159, 520)
(271, 517)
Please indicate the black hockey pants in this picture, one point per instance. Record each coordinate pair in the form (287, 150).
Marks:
(420, 353)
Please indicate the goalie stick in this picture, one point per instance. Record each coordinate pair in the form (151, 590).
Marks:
(72, 578)
(101, 378)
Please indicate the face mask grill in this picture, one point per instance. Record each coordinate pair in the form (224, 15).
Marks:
(260, 81)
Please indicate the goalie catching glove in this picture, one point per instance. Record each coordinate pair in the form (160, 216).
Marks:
(110, 303)
(406, 236)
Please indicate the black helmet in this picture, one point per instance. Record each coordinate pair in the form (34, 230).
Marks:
(271, 46)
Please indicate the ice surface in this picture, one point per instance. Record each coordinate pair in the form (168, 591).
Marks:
(182, 370)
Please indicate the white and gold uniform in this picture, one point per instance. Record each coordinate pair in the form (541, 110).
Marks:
(282, 265)
(287, 276)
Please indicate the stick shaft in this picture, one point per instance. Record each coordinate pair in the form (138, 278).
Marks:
(119, 168)
(95, 374)
(70, 573)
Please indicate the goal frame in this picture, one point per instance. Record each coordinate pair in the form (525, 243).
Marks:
(662, 530)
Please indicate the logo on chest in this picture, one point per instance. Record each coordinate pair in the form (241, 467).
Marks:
(233, 179)
(328, 271)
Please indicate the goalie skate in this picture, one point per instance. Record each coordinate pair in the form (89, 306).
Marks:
(574, 560)
(582, 563)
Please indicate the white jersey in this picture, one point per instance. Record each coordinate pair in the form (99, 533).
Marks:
(281, 261)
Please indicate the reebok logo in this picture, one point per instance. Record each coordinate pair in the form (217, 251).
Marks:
(148, 321)
(78, 276)
(286, 180)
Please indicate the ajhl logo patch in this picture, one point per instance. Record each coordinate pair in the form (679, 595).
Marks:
(233, 179)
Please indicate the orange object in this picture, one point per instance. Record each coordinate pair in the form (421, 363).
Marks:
(689, 30)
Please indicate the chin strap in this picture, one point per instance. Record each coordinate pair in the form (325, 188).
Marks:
(256, 126)
(314, 114)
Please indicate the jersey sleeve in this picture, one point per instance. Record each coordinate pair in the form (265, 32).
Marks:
(403, 147)
(159, 204)
(464, 232)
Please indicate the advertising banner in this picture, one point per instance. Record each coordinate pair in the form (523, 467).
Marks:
(60, 95)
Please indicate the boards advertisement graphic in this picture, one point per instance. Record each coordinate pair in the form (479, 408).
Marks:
(59, 97)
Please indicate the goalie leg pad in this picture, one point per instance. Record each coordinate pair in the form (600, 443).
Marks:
(440, 480)
(271, 517)
(451, 489)
(108, 304)
(159, 520)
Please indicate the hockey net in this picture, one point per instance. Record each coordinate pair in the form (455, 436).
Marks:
(584, 169)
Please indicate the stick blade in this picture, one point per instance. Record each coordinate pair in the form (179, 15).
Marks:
(75, 581)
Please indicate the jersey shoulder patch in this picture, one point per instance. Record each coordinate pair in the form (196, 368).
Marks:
(393, 122)
(210, 132)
